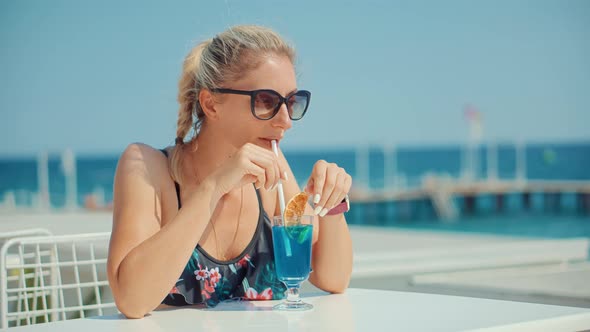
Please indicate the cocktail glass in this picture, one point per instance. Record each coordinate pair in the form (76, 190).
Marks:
(292, 252)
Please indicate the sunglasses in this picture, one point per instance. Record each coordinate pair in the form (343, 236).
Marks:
(265, 103)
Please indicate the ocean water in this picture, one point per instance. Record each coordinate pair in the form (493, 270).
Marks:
(544, 161)
(549, 161)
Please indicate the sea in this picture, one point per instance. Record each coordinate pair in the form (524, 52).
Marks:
(544, 161)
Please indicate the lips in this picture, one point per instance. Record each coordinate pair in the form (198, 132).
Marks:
(268, 141)
(278, 139)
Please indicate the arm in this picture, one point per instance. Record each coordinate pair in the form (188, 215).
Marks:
(332, 255)
(332, 245)
(145, 260)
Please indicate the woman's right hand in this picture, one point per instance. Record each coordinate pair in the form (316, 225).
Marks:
(250, 164)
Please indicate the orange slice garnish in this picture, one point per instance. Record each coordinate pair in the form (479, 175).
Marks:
(295, 209)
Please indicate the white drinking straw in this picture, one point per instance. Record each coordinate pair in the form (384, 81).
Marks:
(287, 245)
(279, 185)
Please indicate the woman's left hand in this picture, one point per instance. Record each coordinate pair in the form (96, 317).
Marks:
(328, 185)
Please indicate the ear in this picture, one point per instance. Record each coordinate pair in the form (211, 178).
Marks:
(208, 104)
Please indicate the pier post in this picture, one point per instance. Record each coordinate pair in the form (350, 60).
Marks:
(469, 204)
(383, 213)
(390, 212)
(358, 213)
(500, 203)
(552, 202)
(557, 201)
(583, 203)
(371, 213)
(526, 200)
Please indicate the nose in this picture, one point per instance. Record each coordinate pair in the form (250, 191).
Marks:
(282, 119)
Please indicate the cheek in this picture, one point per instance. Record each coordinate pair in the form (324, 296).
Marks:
(240, 124)
(232, 115)
(242, 128)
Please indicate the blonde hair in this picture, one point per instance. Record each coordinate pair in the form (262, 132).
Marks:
(209, 65)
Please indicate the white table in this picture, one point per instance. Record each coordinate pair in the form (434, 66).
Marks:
(356, 310)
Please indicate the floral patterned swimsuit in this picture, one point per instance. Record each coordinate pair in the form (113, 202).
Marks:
(250, 276)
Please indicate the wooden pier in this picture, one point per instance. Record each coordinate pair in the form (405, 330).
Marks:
(443, 193)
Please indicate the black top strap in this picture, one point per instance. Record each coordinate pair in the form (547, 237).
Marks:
(176, 185)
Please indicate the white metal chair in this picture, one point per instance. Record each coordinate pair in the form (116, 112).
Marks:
(50, 278)
(12, 258)
(4, 236)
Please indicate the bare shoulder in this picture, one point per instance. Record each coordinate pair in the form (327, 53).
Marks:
(141, 158)
(141, 173)
(141, 177)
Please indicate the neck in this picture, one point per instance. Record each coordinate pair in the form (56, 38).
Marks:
(212, 151)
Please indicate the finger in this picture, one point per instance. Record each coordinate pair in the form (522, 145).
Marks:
(309, 187)
(273, 173)
(282, 171)
(256, 174)
(347, 186)
(274, 166)
(335, 195)
(265, 160)
(277, 170)
(316, 181)
(328, 187)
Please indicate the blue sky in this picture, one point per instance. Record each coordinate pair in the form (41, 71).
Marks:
(97, 75)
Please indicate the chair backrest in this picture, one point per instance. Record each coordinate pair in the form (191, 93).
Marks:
(50, 278)
(4, 236)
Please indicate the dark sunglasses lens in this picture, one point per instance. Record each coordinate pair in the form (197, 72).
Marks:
(297, 105)
(265, 104)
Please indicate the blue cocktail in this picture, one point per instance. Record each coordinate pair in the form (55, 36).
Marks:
(292, 251)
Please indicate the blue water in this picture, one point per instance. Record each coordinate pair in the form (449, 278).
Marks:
(292, 246)
(570, 161)
(546, 217)
(544, 161)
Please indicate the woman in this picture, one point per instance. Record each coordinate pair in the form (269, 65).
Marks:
(207, 200)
